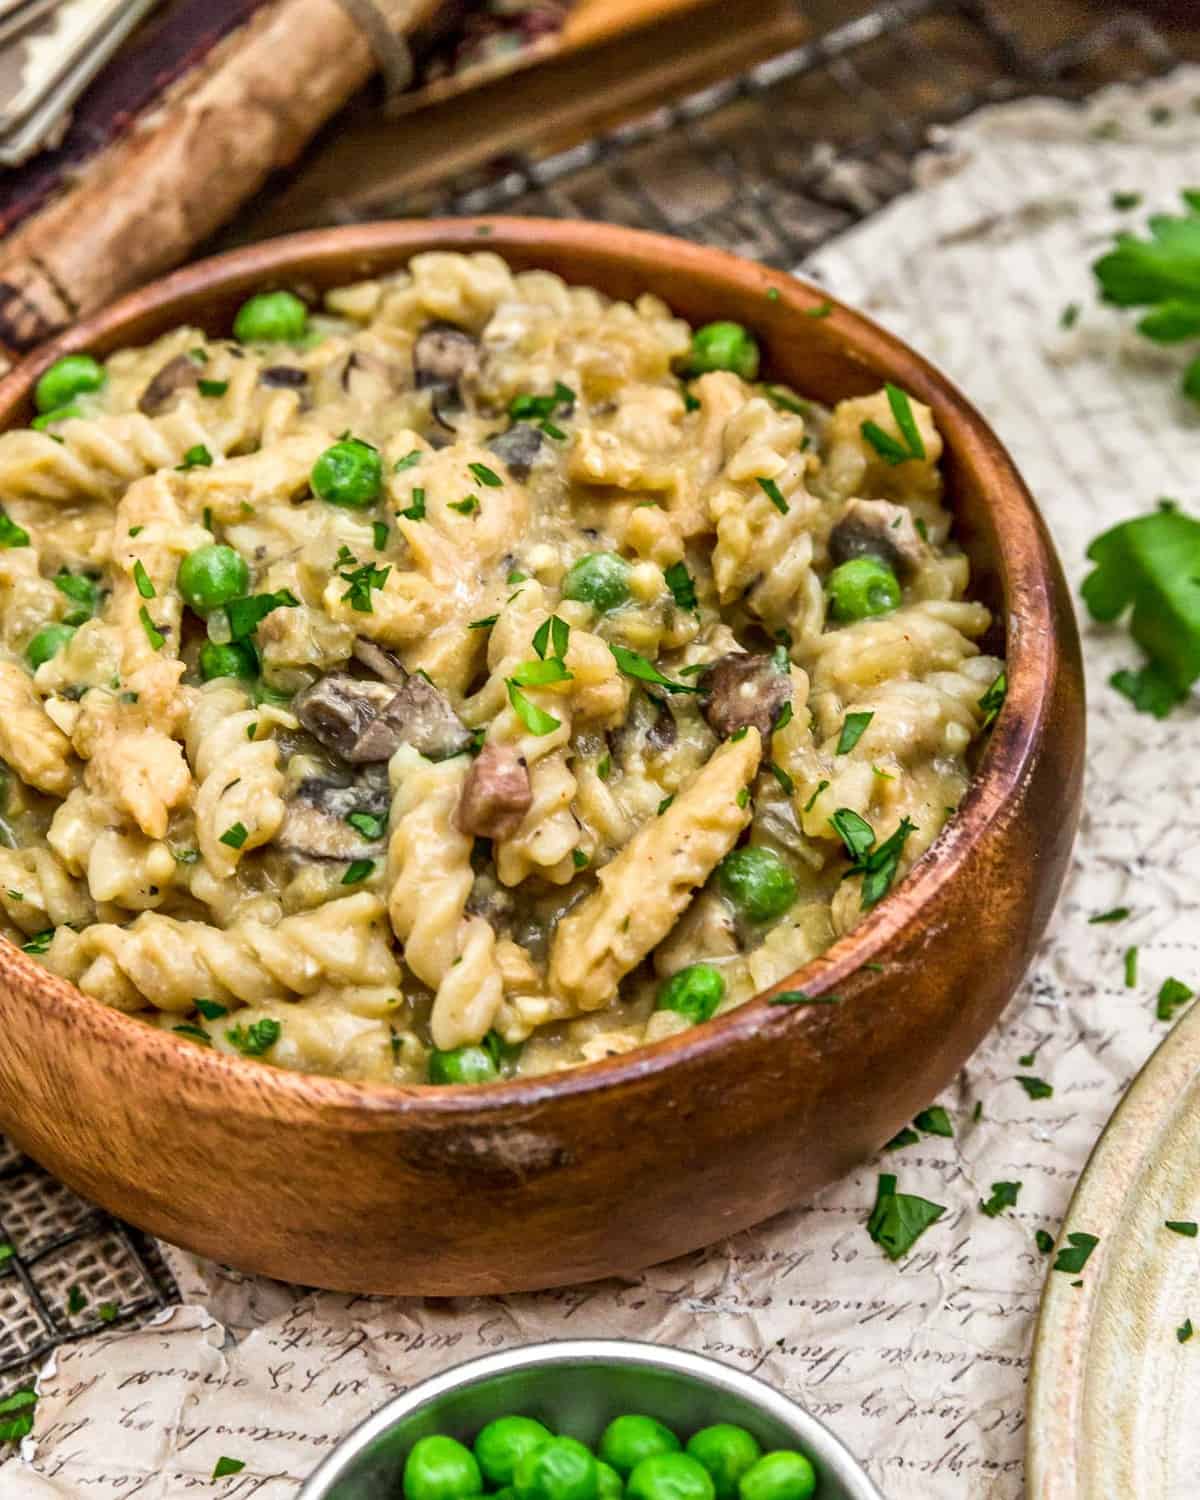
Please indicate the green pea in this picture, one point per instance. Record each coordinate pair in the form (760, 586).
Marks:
(609, 1485)
(237, 659)
(48, 642)
(779, 1476)
(600, 579)
(758, 882)
(561, 1469)
(505, 1441)
(670, 1476)
(439, 1468)
(67, 378)
(211, 576)
(59, 414)
(271, 318)
(695, 992)
(861, 587)
(462, 1065)
(723, 346)
(350, 473)
(629, 1439)
(726, 1452)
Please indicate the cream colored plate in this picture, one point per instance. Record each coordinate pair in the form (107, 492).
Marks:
(1114, 1397)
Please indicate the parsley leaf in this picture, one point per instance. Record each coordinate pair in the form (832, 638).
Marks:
(196, 457)
(39, 942)
(1184, 1331)
(536, 720)
(682, 586)
(993, 700)
(1117, 914)
(83, 591)
(934, 1121)
(257, 1038)
(812, 801)
(358, 870)
(1186, 1227)
(638, 667)
(852, 730)
(1004, 1195)
(211, 1010)
(407, 461)
(1131, 967)
(142, 579)
(371, 825)
(539, 673)
(798, 997)
(552, 631)
(16, 1415)
(213, 387)
(416, 511)
(362, 581)
(891, 451)
(153, 634)
(1173, 994)
(228, 1466)
(234, 836)
(1162, 273)
(774, 494)
(902, 1138)
(245, 615)
(876, 863)
(468, 506)
(11, 535)
(1074, 1255)
(486, 476)
(1044, 1240)
(1152, 563)
(1036, 1088)
(899, 1219)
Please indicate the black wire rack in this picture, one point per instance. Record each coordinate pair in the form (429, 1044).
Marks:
(770, 164)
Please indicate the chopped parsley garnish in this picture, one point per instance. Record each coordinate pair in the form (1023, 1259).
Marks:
(1186, 1227)
(555, 633)
(638, 667)
(213, 387)
(6, 1253)
(1026, 1059)
(1125, 201)
(468, 506)
(934, 1121)
(540, 409)
(185, 856)
(211, 1010)
(782, 777)
(193, 1033)
(358, 870)
(107, 1312)
(362, 581)
(39, 942)
(902, 1138)
(16, 1416)
(255, 1039)
(1036, 1088)
(380, 533)
(196, 457)
(208, 518)
(1117, 914)
(884, 444)
(1004, 1195)
(812, 801)
(1074, 1255)
(604, 766)
(516, 576)
(371, 825)
(16, 895)
(536, 720)
(137, 530)
(245, 615)
(682, 586)
(579, 859)
(774, 494)
(822, 310)
(743, 796)
(798, 997)
(1131, 967)
(784, 399)
(82, 591)
(993, 700)
(1171, 996)
(485, 624)
(407, 461)
(76, 1301)
(235, 836)
(690, 402)
(486, 476)
(540, 673)
(899, 1219)
(876, 863)
(1152, 563)
(153, 634)
(11, 535)
(852, 730)
(142, 579)
(783, 718)
(666, 802)
(1069, 315)
(1184, 1331)
(1044, 1240)
(416, 511)
(227, 1466)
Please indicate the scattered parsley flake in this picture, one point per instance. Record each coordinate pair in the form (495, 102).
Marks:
(371, 825)
(1122, 202)
(899, 1219)
(1171, 996)
(536, 720)
(798, 997)
(468, 506)
(934, 1121)
(636, 666)
(39, 942)
(993, 700)
(362, 580)
(196, 457)
(357, 871)
(1184, 1331)
(380, 533)
(553, 634)
(76, 1301)
(876, 863)
(16, 1415)
(227, 1466)
(486, 476)
(1131, 967)
(772, 294)
(1004, 1195)
(682, 586)
(211, 1010)
(1117, 914)
(516, 577)
(743, 796)
(853, 728)
(16, 895)
(485, 624)
(11, 535)
(1044, 1240)
(604, 766)
(193, 1033)
(822, 310)
(891, 451)
(142, 579)
(783, 718)
(235, 836)
(690, 402)
(255, 1039)
(812, 801)
(153, 634)
(781, 776)
(416, 511)
(213, 387)
(540, 673)
(579, 859)
(1036, 1088)
(666, 802)
(774, 494)
(1074, 1255)
(1069, 315)
(245, 615)
(107, 1312)
(786, 401)
(1186, 1227)
(407, 461)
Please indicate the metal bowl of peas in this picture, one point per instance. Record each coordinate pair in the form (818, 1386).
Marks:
(591, 1419)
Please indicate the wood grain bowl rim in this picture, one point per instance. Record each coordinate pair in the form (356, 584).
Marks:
(1026, 567)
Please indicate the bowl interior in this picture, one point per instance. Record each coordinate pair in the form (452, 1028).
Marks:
(577, 1391)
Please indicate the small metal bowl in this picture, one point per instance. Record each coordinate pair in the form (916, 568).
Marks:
(576, 1387)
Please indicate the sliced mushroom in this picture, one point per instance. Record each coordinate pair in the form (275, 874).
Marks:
(662, 732)
(339, 709)
(520, 448)
(742, 689)
(419, 715)
(443, 354)
(385, 664)
(496, 794)
(286, 377)
(179, 374)
(877, 528)
(316, 826)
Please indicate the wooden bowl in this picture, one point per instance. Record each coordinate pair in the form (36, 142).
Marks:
(613, 1166)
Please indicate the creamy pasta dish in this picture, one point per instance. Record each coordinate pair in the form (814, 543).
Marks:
(473, 676)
